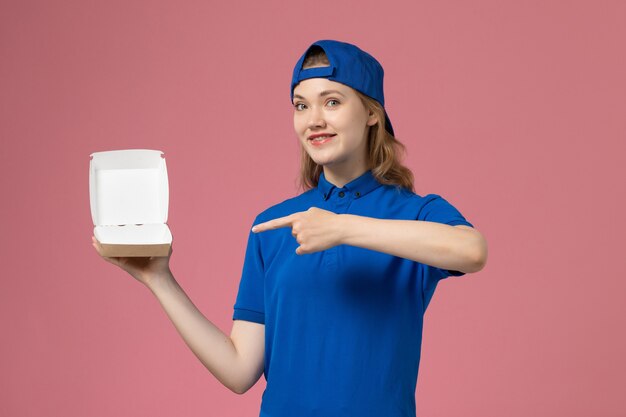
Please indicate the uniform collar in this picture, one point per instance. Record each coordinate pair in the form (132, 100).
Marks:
(358, 186)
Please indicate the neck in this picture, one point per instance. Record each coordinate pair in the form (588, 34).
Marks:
(341, 176)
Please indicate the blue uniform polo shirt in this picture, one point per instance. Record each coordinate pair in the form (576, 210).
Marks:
(343, 327)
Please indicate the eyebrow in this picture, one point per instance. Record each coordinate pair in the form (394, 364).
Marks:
(323, 93)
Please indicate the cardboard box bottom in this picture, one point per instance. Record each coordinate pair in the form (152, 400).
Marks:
(111, 250)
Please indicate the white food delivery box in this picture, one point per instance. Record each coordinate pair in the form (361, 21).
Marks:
(129, 196)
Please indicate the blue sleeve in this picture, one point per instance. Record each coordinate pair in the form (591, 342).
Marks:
(250, 302)
(439, 210)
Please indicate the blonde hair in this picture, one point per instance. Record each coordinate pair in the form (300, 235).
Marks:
(384, 151)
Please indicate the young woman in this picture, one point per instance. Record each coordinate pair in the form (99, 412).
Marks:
(336, 280)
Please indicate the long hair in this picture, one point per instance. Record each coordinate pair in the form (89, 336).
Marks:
(385, 152)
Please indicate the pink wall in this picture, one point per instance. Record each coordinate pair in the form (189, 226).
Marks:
(514, 112)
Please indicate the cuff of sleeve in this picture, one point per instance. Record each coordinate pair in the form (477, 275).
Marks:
(249, 315)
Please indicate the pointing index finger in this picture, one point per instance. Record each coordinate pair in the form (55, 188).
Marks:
(272, 224)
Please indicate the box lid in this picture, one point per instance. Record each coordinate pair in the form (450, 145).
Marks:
(128, 186)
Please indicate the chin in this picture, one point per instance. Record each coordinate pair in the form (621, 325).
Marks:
(320, 162)
(325, 162)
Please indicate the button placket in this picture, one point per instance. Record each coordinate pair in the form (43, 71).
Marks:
(340, 201)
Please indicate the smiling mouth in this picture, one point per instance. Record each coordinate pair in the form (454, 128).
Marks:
(321, 139)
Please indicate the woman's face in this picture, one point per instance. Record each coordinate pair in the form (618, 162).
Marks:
(324, 106)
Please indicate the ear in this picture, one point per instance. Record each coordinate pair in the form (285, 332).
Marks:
(372, 119)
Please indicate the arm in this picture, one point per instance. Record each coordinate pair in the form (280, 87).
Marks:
(459, 248)
(236, 361)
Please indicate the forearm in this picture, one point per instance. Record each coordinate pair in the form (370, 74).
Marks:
(430, 243)
(213, 348)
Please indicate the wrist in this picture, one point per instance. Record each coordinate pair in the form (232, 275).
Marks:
(345, 225)
(158, 281)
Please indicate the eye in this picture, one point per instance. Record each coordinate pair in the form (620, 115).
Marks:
(298, 104)
(332, 99)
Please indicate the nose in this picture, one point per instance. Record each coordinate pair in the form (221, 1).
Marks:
(316, 118)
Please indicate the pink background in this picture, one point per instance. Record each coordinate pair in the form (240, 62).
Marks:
(513, 111)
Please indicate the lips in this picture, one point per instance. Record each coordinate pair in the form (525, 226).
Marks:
(321, 140)
(317, 135)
